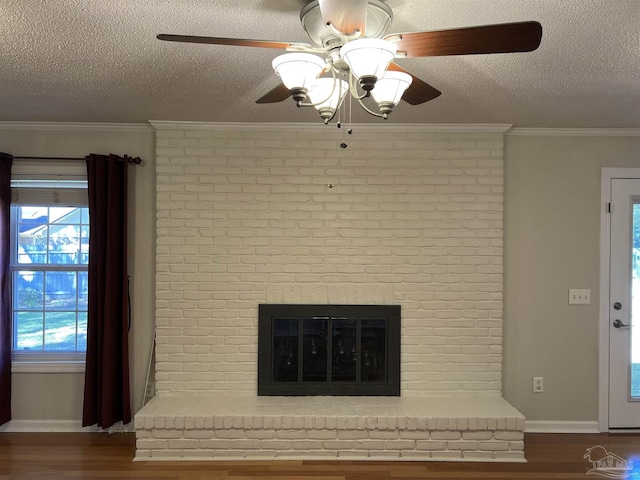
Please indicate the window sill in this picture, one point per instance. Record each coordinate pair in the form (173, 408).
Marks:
(48, 367)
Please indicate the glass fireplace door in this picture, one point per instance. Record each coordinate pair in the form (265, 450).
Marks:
(329, 355)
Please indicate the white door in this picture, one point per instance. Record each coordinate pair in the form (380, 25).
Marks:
(624, 305)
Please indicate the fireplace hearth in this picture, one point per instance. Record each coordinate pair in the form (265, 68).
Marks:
(329, 350)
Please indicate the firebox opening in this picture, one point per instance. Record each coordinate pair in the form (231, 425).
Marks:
(329, 350)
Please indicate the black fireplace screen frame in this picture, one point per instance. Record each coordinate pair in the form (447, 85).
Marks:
(356, 315)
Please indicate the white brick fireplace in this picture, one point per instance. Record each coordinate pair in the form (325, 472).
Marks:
(257, 214)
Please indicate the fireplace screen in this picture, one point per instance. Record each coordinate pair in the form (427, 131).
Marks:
(329, 350)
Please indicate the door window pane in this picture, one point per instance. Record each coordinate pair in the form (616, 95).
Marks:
(635, 304)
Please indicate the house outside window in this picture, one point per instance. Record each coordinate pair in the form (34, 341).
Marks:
(49, 279)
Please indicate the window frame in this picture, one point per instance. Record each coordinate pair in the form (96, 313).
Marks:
(45, 361)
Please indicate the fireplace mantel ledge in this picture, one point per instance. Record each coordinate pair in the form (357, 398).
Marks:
(425, 406)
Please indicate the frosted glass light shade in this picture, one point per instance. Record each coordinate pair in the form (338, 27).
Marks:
(368, 57)
(298, 70)
(324, 95)
(390, 87)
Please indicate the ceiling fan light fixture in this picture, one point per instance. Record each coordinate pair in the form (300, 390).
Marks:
(389, 89)
(326, 96)
(298, 71)
(368, 58)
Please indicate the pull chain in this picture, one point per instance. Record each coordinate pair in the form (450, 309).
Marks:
(349, 131)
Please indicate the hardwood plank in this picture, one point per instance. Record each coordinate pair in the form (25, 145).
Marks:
(98, 456)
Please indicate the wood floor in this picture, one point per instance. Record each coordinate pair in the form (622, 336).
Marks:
(30, 456)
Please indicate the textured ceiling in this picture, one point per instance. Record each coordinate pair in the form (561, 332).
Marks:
(99, 61)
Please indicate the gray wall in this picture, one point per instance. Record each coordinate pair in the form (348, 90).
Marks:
(552, 228)
(58, 396)
(552, 243)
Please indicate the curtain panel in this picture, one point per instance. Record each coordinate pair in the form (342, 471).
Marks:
(106, 390)
(5, 291)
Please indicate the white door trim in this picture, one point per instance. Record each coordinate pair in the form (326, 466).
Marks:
(608, 174)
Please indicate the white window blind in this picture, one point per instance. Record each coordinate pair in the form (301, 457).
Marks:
(62, 183)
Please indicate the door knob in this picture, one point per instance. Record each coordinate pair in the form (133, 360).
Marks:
(618, 323)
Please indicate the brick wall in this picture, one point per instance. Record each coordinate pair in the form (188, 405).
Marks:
(247, 217)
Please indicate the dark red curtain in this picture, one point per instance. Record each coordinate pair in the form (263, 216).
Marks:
(106, 388)
(5, 290)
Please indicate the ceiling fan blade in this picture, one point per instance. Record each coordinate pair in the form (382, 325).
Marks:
(278, 94)
(502, 38)
(346, 16)
(240, 42)
(419, 91)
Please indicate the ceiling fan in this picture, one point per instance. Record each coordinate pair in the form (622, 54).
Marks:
(350, 51)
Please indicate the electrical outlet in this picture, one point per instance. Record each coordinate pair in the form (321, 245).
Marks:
(538, 385)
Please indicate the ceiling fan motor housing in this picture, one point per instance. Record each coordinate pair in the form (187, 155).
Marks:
(379, 17)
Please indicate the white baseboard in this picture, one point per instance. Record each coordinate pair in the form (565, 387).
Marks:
(561, 426)
(531, 426)
(61, 426)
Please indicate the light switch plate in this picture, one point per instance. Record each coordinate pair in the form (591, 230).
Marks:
(579, 296)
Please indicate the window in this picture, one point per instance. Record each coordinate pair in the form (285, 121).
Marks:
(50, 253)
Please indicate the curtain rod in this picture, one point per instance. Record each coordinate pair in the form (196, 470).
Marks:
(136, 160)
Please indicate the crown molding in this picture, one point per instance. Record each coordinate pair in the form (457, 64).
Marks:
(77, 126)
(574, 132)
(317, 127)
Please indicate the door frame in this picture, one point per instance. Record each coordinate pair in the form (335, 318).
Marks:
(608, 174)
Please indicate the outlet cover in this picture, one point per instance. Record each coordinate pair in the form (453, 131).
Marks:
(579, 296)
(538, 385)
